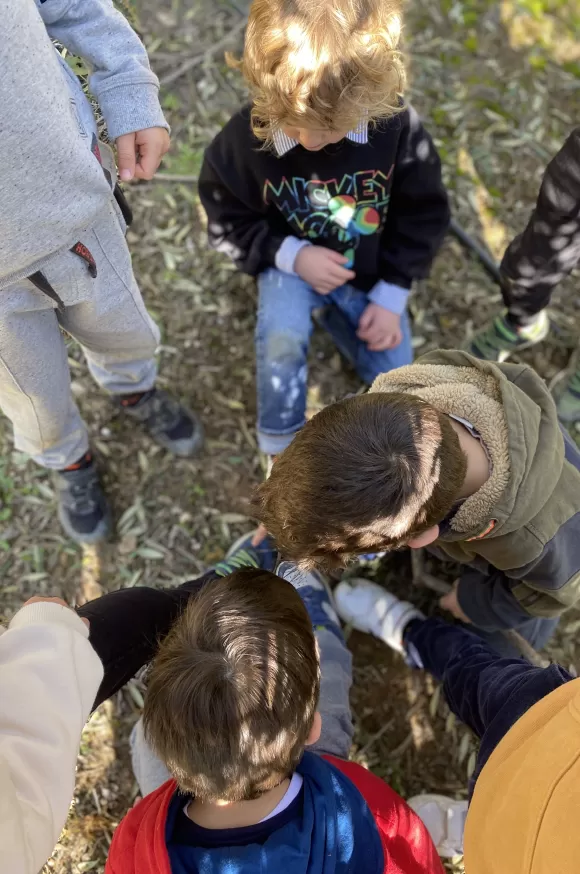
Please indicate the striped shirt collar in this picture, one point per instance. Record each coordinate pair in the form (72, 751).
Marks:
(283, 143)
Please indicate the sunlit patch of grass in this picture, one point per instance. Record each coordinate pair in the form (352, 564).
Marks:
(548, 27)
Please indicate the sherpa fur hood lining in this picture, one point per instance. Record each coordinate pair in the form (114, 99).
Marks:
(472, 395)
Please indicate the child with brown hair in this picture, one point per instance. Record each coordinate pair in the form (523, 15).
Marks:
(454, 453)
(328, 189)
(253, 672)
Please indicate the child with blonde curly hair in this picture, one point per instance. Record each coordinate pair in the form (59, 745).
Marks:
(328, 189)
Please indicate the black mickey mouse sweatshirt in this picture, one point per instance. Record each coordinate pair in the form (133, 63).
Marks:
(382, 204)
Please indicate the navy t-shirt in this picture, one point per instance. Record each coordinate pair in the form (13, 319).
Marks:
(183, 834)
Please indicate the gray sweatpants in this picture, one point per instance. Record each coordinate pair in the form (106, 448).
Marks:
(334, 707)
(106, 315)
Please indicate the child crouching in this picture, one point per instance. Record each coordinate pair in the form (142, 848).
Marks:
(328, 190)
(240, 687)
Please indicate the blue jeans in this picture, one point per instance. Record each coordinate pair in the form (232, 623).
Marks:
(282, 337)
(486, 691)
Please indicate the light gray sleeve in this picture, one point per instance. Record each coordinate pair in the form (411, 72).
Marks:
(121, 78)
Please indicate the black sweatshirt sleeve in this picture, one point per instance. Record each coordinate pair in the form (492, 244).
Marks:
(126, 627)
(237, 217)
(418, 216)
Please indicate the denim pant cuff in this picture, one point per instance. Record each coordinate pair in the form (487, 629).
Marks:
(272, 444)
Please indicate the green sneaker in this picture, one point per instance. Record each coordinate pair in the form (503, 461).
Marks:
(500, 340)
(567, 397)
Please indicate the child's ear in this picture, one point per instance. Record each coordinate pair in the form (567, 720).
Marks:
(425, 538)
(315, 730)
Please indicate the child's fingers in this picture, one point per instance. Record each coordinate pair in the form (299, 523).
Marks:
(327, 283)
(149, 160)
(338, 274)
(126, 156)
(259, 535)
(343, 274)
(386, 341)
(365, 322)
(336, 257)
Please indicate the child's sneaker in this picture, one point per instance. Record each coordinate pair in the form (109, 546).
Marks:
(242, 554)
(368, 607)
(500, 339)
(316, 594)
(567, 397)
(169, 423)
(445, 821)
(369, 557)
(83, 510)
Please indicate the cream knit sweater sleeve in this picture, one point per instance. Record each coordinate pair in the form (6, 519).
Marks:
(49, 676)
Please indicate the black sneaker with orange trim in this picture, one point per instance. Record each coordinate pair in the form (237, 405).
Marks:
(169, 423)
(83, 510)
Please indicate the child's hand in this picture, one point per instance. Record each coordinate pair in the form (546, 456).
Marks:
(379, 328)
(260, 534)
(139, 154)
(451, 603)
(323, 269)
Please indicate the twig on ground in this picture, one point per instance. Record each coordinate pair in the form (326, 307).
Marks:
(376, 736)
(196, 60)
(174, 177)
(422, 578)
(402, 748)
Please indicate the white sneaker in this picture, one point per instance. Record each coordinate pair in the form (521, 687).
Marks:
(445, 821)
(368, 607)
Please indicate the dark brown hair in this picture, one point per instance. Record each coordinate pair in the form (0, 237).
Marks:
(365, 474)
(234, 688)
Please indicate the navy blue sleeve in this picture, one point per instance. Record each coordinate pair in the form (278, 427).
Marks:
(488, 601)
(485, 691)
(544, 587)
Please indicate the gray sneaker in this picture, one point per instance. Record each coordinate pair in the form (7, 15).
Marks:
(83, 510)
(169, 423)
(566, 393)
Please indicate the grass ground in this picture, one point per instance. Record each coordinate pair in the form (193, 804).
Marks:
(498, 85)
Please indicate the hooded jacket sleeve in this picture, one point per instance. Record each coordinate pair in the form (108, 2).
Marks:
(418, 216)
(489, 602)
(49, 675)
(542, 588)
(121, 78)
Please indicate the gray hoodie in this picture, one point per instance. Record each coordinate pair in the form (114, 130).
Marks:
(51, 184)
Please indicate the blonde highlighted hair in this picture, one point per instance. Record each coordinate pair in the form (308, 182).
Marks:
(322, 64)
